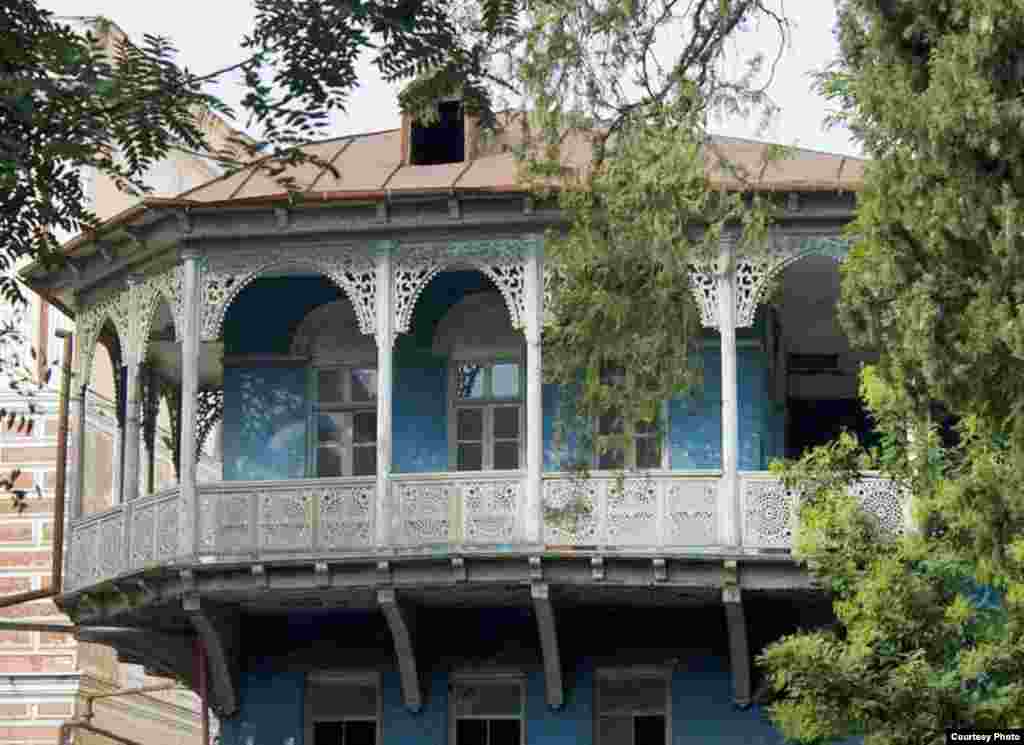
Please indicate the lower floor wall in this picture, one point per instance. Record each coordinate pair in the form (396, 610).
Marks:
(699, 709)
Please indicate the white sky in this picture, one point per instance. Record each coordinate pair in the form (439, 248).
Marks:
(208, 35)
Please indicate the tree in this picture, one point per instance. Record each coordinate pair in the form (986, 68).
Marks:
(930, 626)
(638, 83)
(65, 102)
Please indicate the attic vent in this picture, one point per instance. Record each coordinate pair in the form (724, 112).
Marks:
(814, 364)
(443, 141)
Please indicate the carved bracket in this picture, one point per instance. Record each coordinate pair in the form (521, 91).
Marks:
(545, 614)
(736, 626)
(218, 628)
(401, 621)
(209, 412)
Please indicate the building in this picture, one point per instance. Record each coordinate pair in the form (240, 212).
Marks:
(44, 674)
(393, 552)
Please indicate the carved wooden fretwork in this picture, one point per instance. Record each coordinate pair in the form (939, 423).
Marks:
(209, 411)
(754, 277)
(225, 276)
(150, 294)
(115, 308)
(501, 260)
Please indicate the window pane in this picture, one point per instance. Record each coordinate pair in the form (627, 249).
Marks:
(506, 423)
(364, 460)
(469, 381)
(471, 732)
(504, 732)
(328, 733)
(470, 425)
(364, 384)
(506, 455)
(614, 731)
(470, 457)
(505, 380)
(648, 454)
(648, 730)
(364, 426)
(328, 461)
(329, 384)
(360, 733)
(329, 427)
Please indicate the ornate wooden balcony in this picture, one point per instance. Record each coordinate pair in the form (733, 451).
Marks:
(445, 514)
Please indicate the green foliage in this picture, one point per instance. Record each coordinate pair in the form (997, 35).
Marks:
(641, 213)
(929, 627)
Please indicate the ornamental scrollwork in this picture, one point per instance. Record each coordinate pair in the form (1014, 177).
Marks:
(165, 288)
(209, 411)
(502, 260)
(115, 308)
(754, 276)
(224, 278)
(704, 286)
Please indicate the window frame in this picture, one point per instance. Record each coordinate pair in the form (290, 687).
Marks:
(341, 678)
(629, 456)
(482, 679)
(348, 408)
(488, 404)
(637, 672)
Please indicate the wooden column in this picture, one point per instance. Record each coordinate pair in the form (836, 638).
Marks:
(191, 307)
(77, 477)
(728, 501)
(533, 524)
(385, 374)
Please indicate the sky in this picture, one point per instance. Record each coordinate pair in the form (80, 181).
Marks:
(208, 36)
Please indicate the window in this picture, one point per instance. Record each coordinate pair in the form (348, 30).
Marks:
(633, 708)
(488, 416)
(643, 450)
(346, 421)
(487, 712)
(343, 709)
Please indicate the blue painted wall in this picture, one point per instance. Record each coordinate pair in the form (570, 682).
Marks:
(266, 439)
(702, 710)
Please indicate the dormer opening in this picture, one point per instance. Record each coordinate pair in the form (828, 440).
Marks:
(441, 141)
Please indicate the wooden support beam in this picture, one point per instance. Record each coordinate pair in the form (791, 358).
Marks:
(736, 625)
(401, 621)
(219, 630)
(545, 613)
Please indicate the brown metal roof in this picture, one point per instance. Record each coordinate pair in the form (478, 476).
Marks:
(369, 167)
(369, 163)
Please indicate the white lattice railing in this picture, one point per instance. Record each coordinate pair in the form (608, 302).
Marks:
(768, 509)
(483, 508)
(253, 520)
(652, 511)
(307, 516)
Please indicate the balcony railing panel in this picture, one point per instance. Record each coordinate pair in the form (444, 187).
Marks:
(470, 508)
(769, 509)
(153, 529)
(652, 511)
(257, 518)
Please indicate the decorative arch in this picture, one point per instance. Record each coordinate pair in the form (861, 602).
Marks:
(755, 276)
(114, 312)
(500, 260)
(354, 275)
(156, 291)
